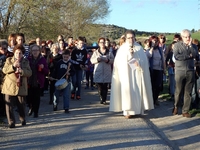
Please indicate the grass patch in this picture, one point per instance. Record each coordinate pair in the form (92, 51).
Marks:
(165, 93)
(195, 112)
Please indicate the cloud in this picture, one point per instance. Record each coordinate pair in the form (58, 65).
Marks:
(173, 2)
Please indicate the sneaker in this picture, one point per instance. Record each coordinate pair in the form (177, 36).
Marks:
(23, 123)
(92, 88)
(66, 110)
(72, 96)
(78, 97)
(55, 107)
(30, 112)
(86, 87)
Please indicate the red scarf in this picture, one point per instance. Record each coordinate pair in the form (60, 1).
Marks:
(18, 76)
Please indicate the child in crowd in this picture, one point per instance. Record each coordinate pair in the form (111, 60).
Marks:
(79, 55)
(63, 70)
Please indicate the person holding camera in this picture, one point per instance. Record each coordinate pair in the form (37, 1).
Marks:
(157, 67)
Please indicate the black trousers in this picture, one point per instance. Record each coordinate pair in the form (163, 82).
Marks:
(34, 98)
(157, 83)
(103, 90)
(89, 78)
(2, 105)
(9, 102)
(51, 90)
(184, 83)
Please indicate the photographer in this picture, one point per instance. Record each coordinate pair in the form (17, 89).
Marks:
(157, 67)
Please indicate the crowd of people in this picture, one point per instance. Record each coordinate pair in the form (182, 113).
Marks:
(134, 71)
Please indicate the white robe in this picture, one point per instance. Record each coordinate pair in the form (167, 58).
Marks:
(131, 90)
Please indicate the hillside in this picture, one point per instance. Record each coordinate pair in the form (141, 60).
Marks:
(114, 32)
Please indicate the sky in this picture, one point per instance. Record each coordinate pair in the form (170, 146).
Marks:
(155, 15)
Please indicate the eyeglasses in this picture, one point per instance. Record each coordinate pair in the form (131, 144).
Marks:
(130, 37)
(102, 42)
(186, 37)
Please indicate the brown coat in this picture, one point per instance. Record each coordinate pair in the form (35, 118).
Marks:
(10, 82)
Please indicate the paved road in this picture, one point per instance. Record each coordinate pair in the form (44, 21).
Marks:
(90, 125)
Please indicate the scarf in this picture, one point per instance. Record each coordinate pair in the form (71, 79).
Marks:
(17, 74)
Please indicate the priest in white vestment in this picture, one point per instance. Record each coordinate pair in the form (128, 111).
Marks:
(131, 90)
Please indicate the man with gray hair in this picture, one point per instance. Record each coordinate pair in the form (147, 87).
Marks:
(185, 54)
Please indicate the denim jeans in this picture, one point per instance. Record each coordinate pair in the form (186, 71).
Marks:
(76, 82)
(171, 84)
(66, 96)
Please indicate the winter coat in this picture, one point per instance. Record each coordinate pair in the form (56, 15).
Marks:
(2, 61)
(40, 74)
(102, 70)
(10, 82)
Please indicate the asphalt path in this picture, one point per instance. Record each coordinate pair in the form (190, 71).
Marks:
(90, 126)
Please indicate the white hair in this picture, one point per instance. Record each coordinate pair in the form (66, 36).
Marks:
(185, 31)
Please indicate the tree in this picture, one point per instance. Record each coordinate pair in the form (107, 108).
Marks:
(193, 30)
(48, 18)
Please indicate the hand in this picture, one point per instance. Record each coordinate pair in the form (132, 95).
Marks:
(105, 59)
(50, 78)
(136, 63)
(41, 66)
(16, 64)
(190, 43)
(86, 66)
(152, 44)
(98, 59)
(18, 70)
(81, 66)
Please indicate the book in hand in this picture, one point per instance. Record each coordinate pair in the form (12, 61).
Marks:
(133, 63)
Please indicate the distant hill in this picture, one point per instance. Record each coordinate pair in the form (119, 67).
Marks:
(115, 32)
